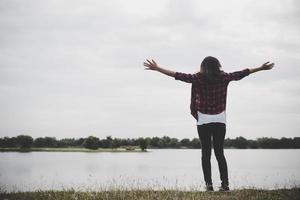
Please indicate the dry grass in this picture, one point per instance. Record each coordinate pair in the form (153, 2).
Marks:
(71, 194)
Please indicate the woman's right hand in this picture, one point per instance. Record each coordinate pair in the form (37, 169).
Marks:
(150, 65)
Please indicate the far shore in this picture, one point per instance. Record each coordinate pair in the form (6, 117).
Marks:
(69, 149)
(99, 150)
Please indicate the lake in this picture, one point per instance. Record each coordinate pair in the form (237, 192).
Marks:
(156, 169)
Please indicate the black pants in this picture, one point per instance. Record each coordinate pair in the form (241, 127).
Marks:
(216, 131)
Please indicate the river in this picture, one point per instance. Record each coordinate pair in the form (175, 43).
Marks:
(156, 169)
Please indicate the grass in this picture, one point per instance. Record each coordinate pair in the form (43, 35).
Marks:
(71, 194)
(68, 149)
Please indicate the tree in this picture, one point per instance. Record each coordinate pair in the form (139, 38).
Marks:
(166, 141)
(268, 143)
(24, 141)
(174, 143)
(66, 142)
(296, 142)
(240, 142)
(45, 142)
(253, 144)
(195, 143)
(107, 143)
(143, 143)
(79, 142)
(9, 142)
(116, 142)
(39, 142)
(154, 141)
(286, 143)
(91, 142)
(185, 142)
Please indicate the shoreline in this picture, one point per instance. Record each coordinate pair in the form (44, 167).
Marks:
(99, 150)
(70, 149)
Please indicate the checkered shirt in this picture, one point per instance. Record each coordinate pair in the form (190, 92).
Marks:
(209, 98)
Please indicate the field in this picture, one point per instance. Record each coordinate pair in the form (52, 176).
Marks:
(243, 194)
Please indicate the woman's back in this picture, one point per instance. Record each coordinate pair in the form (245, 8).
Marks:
(206, 96)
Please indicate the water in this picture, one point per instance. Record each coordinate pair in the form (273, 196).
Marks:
(158, 169)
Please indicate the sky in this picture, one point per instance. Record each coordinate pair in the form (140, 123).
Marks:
(74, 68)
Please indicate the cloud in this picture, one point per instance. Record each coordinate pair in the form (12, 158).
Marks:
(71, 68)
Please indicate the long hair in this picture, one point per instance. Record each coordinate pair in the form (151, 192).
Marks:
(211, 70)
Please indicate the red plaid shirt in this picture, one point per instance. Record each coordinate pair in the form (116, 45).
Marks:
(209, 98)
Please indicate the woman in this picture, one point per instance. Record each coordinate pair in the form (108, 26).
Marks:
(208, 107)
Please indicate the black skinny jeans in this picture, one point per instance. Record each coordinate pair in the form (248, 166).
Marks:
(217, 132)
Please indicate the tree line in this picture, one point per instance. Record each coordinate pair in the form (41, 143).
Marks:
(92, 142)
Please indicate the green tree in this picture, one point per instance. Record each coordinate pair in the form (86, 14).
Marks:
(79, 142)
(91, 142)
(185, 142)
(253, 144)
(116, 142)
(296, 142)
(268, 143)
(24, 141)
(66, 142)
(143, 143)
(286, 143)
(174, 143)
(161, 144)
(166, 141)
(46, 142)
(9, 142)
(106, 143)
(240, 142)
(195, 143)
(155, 141)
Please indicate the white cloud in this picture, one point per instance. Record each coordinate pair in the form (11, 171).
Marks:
(71, 68)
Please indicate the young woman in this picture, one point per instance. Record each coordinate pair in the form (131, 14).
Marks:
(208, 107)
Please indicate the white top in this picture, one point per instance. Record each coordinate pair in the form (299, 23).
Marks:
(206, 118)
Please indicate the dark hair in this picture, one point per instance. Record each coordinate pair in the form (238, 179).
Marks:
(211, 69)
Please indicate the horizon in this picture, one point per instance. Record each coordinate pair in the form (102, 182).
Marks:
(104, 137)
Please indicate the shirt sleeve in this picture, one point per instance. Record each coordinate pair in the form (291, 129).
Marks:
(188, 78)
(238, 75)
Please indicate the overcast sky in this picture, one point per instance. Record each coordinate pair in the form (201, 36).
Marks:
(74, 68)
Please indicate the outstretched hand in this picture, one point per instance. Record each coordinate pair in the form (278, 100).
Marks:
(150, 65)
(267, 66)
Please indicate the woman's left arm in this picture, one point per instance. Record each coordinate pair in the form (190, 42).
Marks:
(265, 66)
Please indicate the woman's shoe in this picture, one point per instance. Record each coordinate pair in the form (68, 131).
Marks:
(224, 188)
(209, 187)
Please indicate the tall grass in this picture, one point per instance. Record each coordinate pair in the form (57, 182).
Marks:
(150, 194)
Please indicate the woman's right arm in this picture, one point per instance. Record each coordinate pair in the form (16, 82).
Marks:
(265, 66)
(154, 66)
(188, 78)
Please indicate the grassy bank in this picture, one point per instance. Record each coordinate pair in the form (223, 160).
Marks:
(244, 194)
(69, 149)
